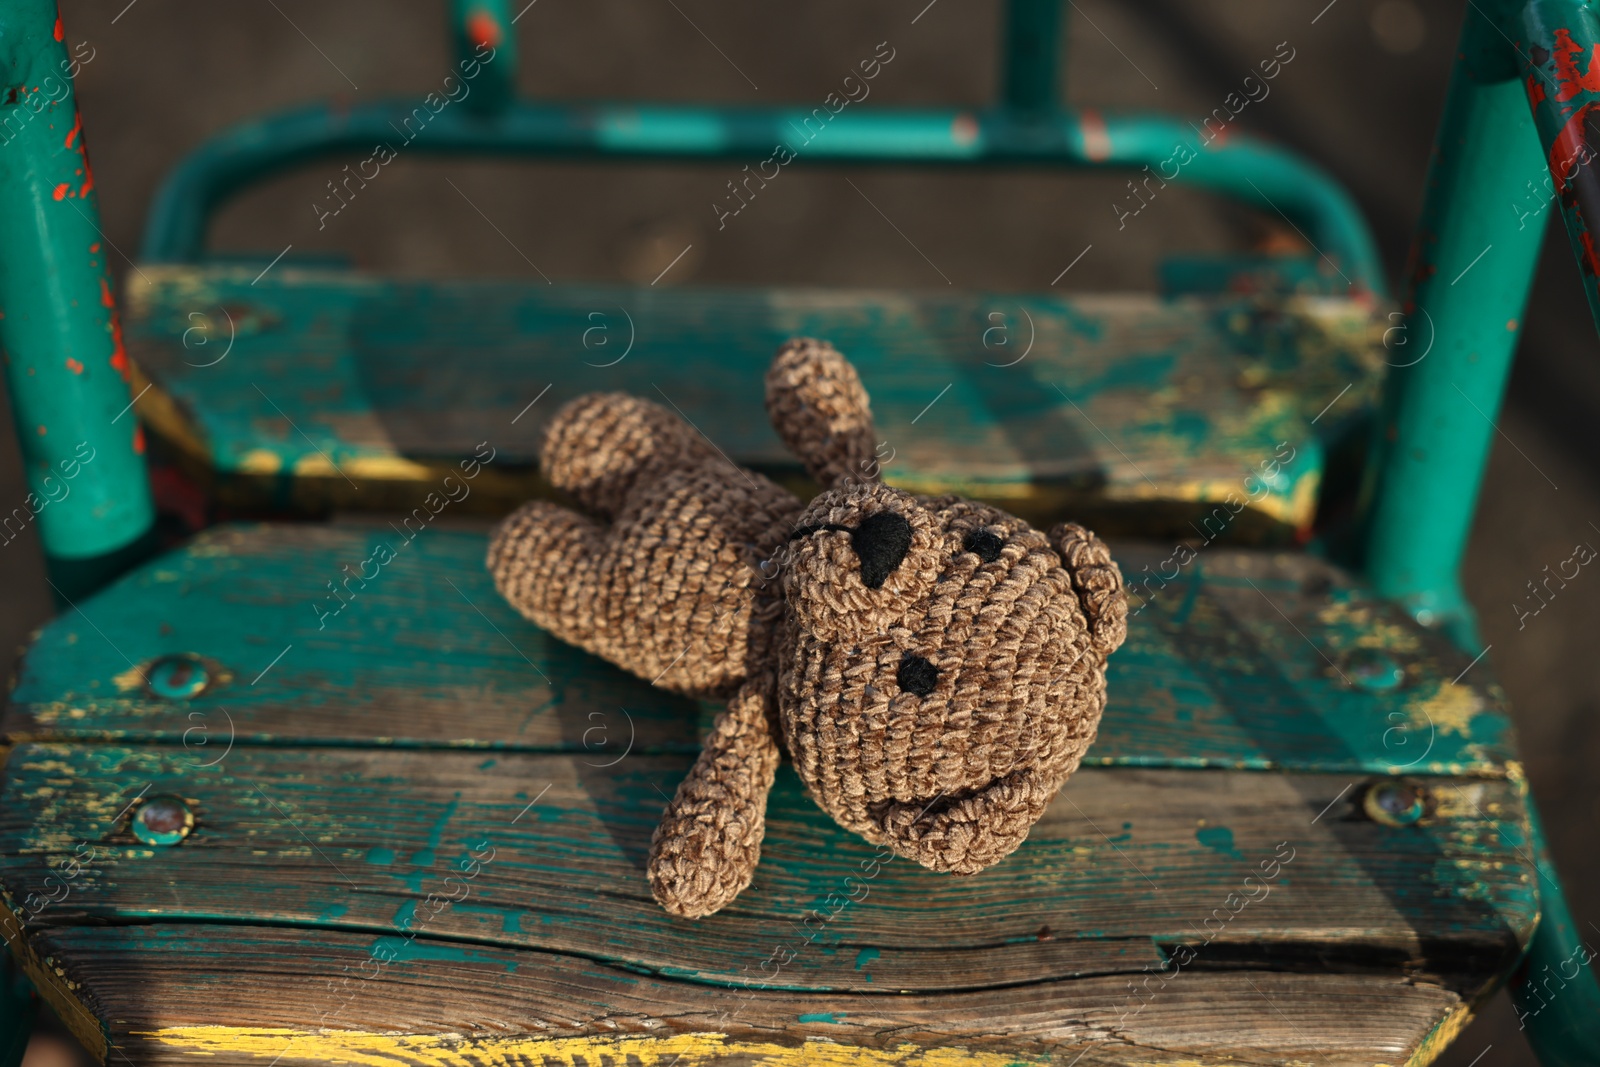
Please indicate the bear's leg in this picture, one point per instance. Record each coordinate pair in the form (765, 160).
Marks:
(705, 850)
(599, 446)
(545, 561)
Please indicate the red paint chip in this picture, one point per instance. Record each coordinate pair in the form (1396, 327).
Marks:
(61, 191)
(1573, 81)
(964, 129)
(1096, 139)
(483, 30)
(1568, 146)
(119, 356)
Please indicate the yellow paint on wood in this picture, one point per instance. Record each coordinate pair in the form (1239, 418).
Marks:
(393, 468)
(259, 461)
(1450, 710)
(456, 1050)
(165, 418)
(377, 466)
(51, 982)
(1294, 509)
(1370, 626)
(1443, 1033)
(938, 484)
(1462, 804)
(129, 680)
(1303, 501)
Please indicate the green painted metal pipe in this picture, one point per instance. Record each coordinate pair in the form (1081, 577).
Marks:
(485, 41)
(65, 367)
(1466, 287)
(1159, 148)
(1559, 79)
(1029, 78)
(1553, 989)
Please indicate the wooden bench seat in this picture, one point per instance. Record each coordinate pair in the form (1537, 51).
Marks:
(339, 768)
(311, 390)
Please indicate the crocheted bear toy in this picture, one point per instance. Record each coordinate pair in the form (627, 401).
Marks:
(935, 667)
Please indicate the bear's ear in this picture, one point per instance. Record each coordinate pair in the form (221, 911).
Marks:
(819, 407)
(1098, 583)
(857, 559)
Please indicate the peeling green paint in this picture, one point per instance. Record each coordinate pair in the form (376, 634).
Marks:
(1210, 675)
(1187, 400)
(1218, 839)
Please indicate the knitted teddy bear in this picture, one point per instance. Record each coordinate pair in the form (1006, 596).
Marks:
(935, 667)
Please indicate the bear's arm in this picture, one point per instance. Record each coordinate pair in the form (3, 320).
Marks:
(705, 849)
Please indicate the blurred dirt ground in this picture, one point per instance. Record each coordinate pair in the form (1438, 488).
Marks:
(1360, 96)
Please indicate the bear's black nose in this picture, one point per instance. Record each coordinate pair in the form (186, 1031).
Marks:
(881, 542)
(917, 675)
(983, 544)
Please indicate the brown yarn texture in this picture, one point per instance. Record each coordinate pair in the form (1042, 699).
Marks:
(935, 667)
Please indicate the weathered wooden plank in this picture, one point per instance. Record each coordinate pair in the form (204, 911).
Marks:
(1241, 659)
(1045, 401)
(547, 852)
(243, 995)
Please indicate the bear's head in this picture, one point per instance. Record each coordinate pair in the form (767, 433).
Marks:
(943, 670)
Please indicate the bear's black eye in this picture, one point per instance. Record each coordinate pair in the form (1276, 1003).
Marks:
(881, 542)
(983, 544)
(917, 675)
